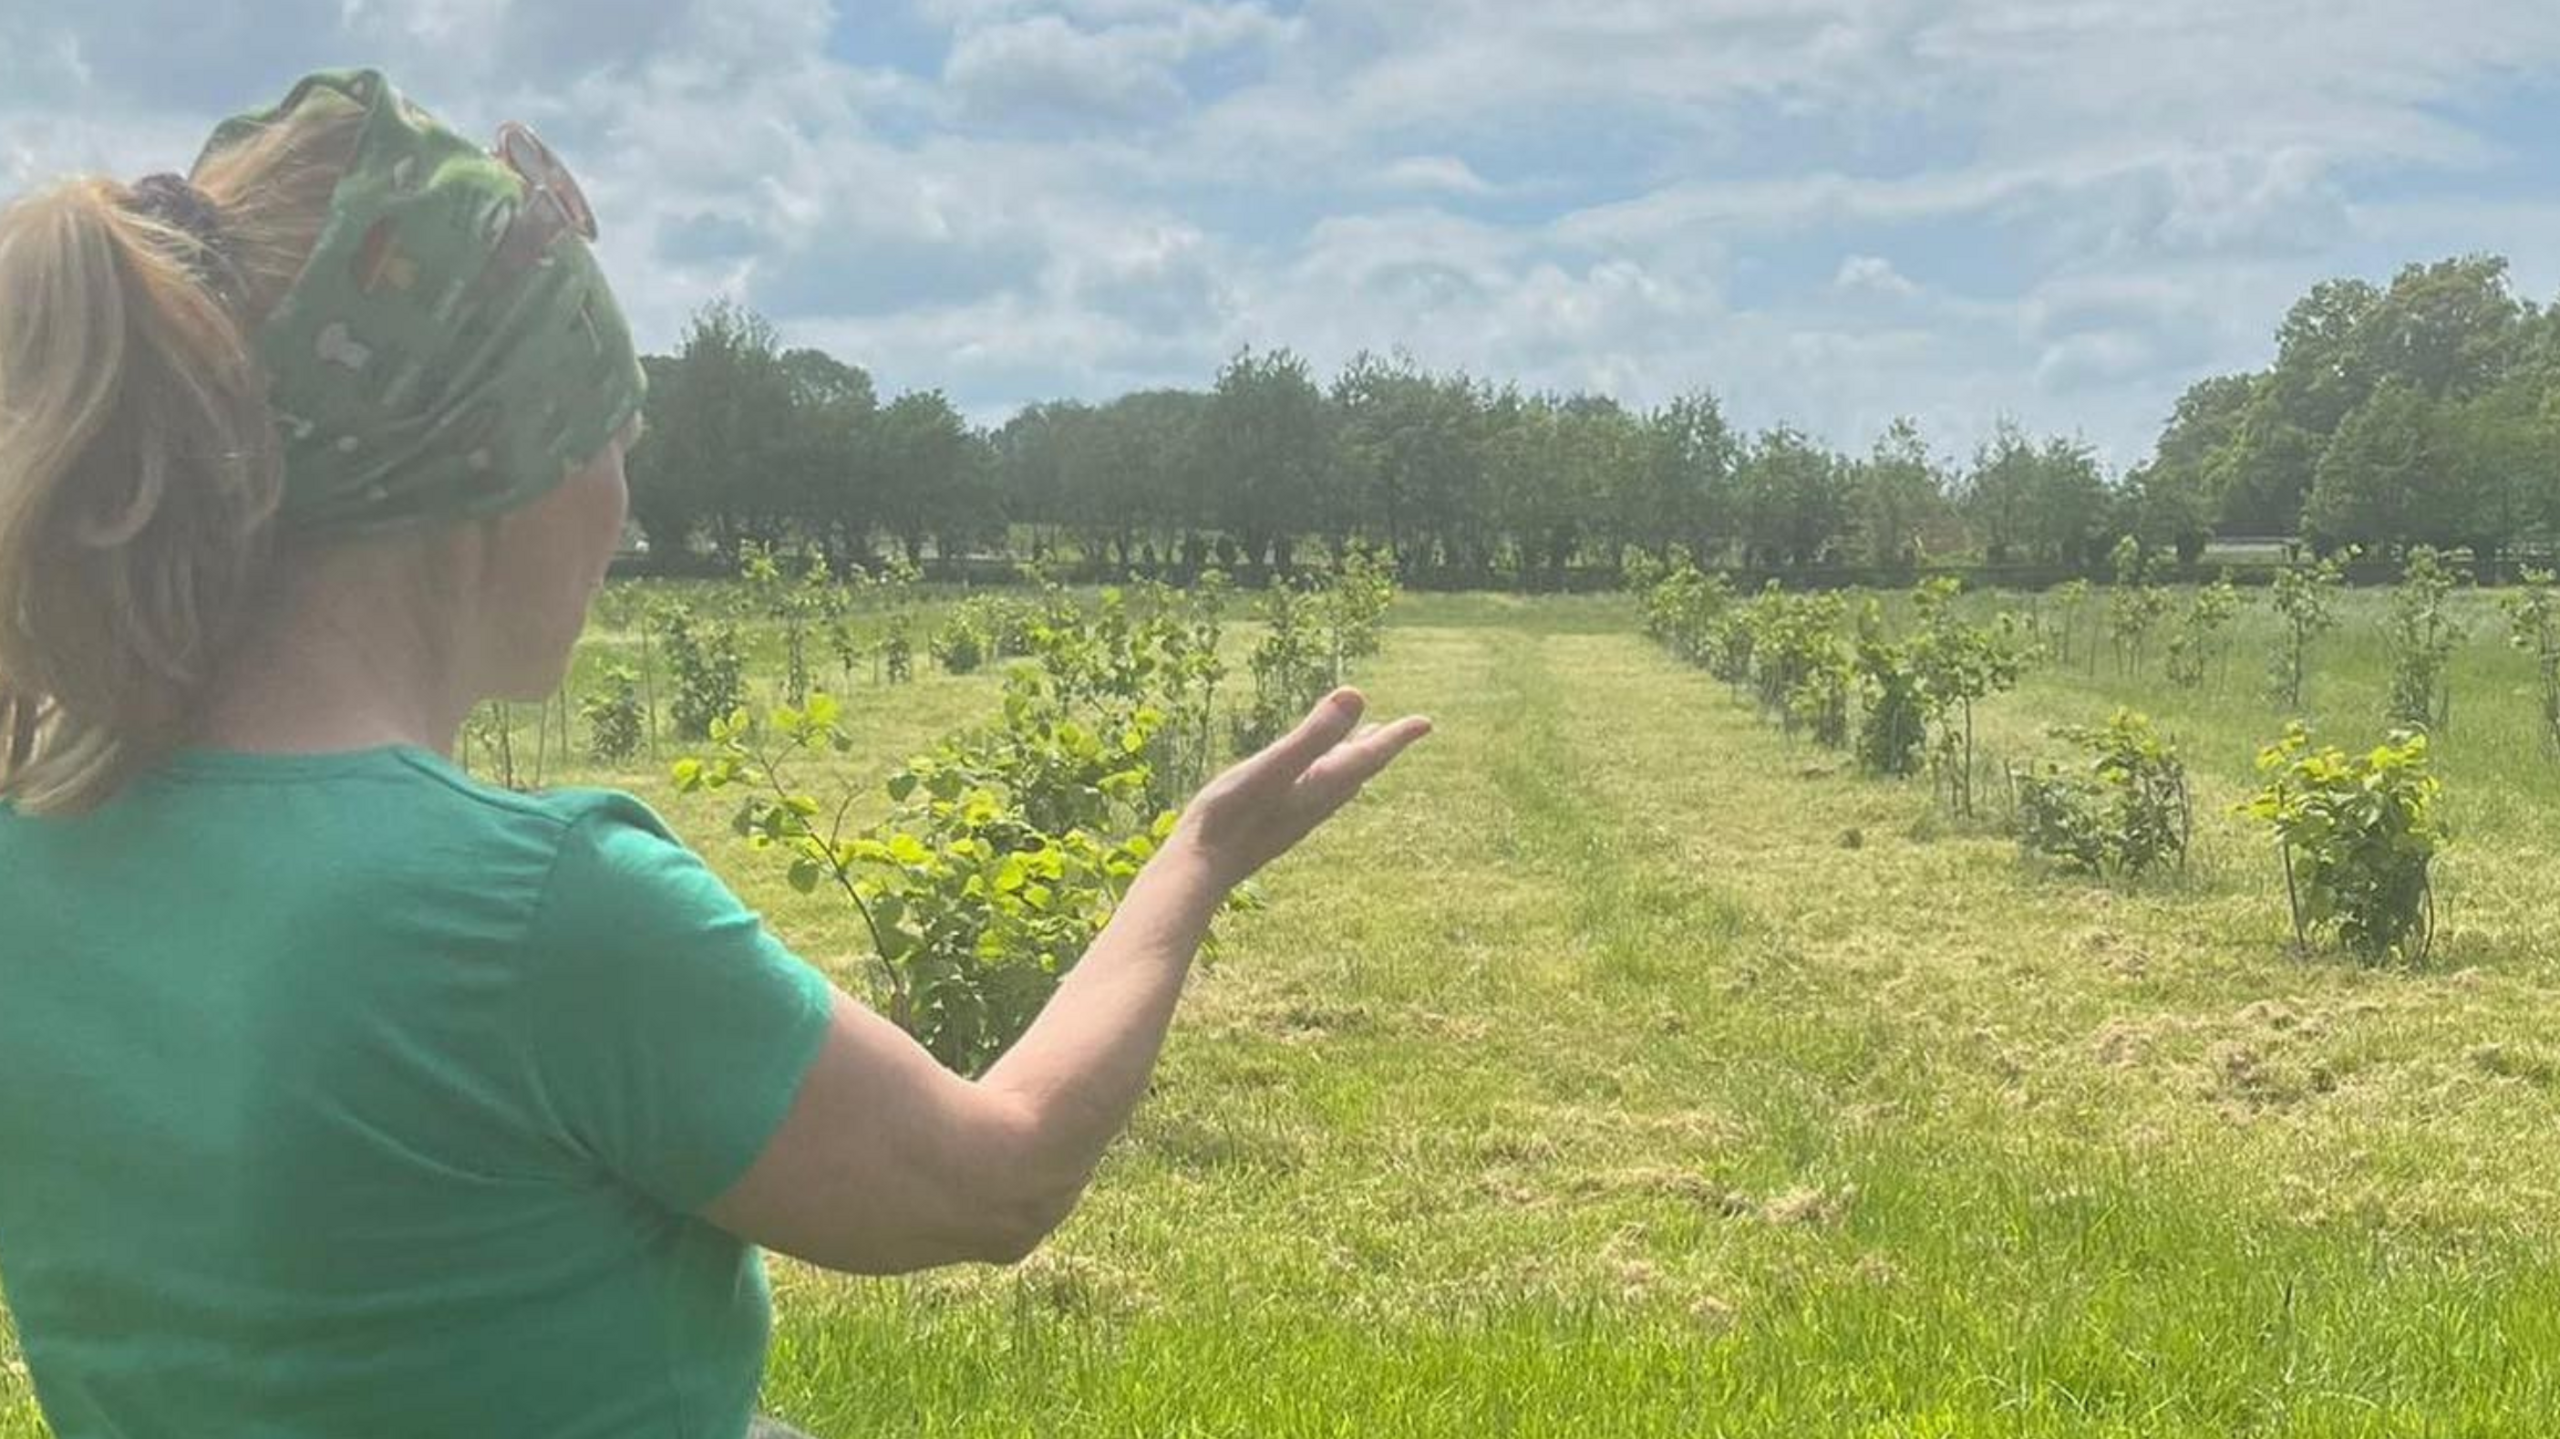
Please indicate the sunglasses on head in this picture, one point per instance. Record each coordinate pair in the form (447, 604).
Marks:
(547, 181)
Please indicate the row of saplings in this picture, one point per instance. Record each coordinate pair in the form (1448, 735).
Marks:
(2358, 834)
(693, 656)
(1007, 844)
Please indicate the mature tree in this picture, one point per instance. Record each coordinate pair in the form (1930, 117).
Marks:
(2176, 500)
(2048, 504)
(1999, 492)
(1537, 479)
(1610, 474)
(2167, 508)
(2323, 370)
(1124, 472)
(1265, 446)
(1685, 494)
(2324, 362)
(1899, 492)
(1382, 436)
(1449, 485)
(721, 408)
(823, 460)
(2427, 410)
(1030, 456)
(935, 474)
(2264, 473)
(2381, 477)
(2501, 455)
(2069, 513)
(2449, 330)
(666, 497)
(1795, 498)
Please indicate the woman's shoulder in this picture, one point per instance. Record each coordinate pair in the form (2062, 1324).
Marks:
(606, 813)
(563, 808)
(418, 801)
(568, 850)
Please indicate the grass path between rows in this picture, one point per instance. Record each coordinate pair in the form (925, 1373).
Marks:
(1588, 1081)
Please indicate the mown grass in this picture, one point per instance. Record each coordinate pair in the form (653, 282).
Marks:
(1619, 1067)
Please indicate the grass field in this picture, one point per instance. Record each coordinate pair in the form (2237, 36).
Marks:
(1618, 1068)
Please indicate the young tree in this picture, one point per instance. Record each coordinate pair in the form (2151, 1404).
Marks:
(2533, 619)
(2197, 650)
(2305, 595)
(2135, 606)
(2423, 633)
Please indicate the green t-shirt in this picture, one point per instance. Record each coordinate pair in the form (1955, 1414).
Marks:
(340, 1095)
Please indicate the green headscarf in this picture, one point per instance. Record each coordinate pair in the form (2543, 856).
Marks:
(451, 349)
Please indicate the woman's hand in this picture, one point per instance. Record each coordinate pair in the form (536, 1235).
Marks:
(1260, 809)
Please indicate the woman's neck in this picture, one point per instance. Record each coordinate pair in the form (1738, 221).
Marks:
(345, 658)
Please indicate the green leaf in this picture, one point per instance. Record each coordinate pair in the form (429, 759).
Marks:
(897, 943)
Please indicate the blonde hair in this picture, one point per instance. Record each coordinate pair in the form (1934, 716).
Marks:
(139, 469)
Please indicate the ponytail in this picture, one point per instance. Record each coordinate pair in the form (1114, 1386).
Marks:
(139, 469)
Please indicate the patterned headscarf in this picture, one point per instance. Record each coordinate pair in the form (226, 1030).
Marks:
(451, 349)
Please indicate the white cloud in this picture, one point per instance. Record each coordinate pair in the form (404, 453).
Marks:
(1044, 69)
(1048, 69)
(1833, 211)
(1444, 173)
(1875, 275)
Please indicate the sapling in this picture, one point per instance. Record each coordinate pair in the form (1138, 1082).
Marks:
(2533, 618)
(2124, 809)
(2359, 836)
(2423, 634)
(2135, 606)
(2198, 650)
(614, 716)
(2305, 596)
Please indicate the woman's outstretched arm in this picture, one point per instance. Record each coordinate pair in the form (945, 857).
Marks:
(888, 1162)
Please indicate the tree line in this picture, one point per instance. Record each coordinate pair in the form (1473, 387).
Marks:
(2425, 412)
(2422, 412)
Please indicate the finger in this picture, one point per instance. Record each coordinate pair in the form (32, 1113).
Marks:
(1352, 765)
(1325, 726)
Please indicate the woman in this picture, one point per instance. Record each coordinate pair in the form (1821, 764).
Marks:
(340, 1095)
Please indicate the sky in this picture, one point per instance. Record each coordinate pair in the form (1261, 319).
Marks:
(1830, 212)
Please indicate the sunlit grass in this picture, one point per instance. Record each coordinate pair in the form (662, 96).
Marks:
(1619, 1067)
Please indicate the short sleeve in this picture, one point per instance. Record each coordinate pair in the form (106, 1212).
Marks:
(667, 1032)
